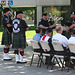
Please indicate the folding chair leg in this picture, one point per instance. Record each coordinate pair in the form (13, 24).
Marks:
(68, 66)
(52, 64)
(63, 65)
(38, 60)
(32, 59)
(48, 62)
(60, 61)
(41, 61)
(57, 62)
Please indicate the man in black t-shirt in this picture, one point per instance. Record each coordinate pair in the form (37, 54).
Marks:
(73, 21)
(6, 39)
(51, 23)
(19, 39)
(44, 23)
(70, 24)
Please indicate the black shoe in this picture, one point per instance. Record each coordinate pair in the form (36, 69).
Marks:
(19, 62)
(7, 59)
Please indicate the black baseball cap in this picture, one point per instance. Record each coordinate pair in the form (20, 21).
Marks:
(44, 14)
(19, 12)
(73, 12)
(6, 10)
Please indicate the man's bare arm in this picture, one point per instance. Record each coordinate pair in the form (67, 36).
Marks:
(53, 25)
(73, 25)
(43, 27)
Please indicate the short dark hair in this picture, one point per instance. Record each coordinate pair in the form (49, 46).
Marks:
(48, 30)
(38, 29)
(73, 30)
(19, 12)
(6, 10)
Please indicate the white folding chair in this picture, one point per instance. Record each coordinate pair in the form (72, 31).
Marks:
(72, 50)
(37, 50)
(46, 50)
(58, 48)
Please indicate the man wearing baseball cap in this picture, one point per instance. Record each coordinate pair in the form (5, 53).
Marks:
(44, 24)
(73, 22)
(19, 38)
(6, 39)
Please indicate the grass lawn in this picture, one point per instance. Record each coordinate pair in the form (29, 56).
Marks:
(1, 35)
(29, 34)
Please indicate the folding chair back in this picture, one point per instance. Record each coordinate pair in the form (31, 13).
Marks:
(35, 44)
(71, 47)
(37, 50)
(57, 46)
(45, 46)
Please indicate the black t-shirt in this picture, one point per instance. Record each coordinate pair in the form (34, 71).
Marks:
(19, 26)
(5, 21)
(69, 23)
(44, 23)
(51, 23)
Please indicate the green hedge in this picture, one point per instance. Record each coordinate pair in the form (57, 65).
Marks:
(32, 27)
(1, 28)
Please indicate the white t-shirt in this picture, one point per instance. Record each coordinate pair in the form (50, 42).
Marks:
(61, 39)
(71, 40)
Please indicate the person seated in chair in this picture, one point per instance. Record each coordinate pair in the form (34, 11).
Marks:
(72, 40)
(58, 37)
(47, 38)
(37, 37)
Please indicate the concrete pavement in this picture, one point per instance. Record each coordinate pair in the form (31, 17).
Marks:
(11, 68)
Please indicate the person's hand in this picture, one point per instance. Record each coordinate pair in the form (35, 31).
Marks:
(50, 26)
(46, 27)
(67, 29)
(9, 25)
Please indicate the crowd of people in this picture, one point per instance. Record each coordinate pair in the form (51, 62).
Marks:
(44, 31)
(47, 35)
(58, 37)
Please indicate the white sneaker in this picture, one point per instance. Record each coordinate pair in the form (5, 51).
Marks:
(6, 57)
(21, 60)
(16, 57)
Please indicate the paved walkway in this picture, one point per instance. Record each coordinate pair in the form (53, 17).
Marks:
(11, 68)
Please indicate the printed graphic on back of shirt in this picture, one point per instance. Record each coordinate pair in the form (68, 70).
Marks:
(16, 28)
